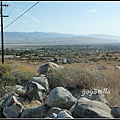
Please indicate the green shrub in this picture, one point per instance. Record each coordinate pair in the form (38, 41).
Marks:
(4, 68)
(17, 77)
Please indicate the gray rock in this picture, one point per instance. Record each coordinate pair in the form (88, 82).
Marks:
(71, 60)
(5, 93)
(35, 112)
(35, 91)
(115, 111)
(95, 94)
(13, 111)
(20, 90)
(53, 115)
(13, 108)
(118, 67)
(1, 113)
(21, 99)
(54, 110)
(64, 61)
(47, 66)
(60, 97)
(42, 81)
(57, 60)
(67, 111)
(85, 108)
(7, 98)
(64, 114)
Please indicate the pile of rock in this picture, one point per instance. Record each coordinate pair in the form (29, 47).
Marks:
(55, 103)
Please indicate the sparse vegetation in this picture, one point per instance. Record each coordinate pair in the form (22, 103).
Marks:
(87, 79)
(84, 75)
(17, 77)
(4, 68)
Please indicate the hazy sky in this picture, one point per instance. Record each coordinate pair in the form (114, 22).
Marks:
(76, 17)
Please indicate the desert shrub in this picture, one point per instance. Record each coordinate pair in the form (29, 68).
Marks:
(4, 68)
(17, 77)
(82, 78)
(87, 79)
(94, 59)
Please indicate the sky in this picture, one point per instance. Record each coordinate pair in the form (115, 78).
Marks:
(69, 17)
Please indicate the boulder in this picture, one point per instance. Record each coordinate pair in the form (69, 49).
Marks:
(5, 101)
(71, 60)
(1, 113)
(21, 99)
(115, 111)
(53, 115)
(60, 97)
(64, 61)
(35, 91)
(64, 114)
(42, 80)
(47, 66)
(95, 94)
(54, 110)
(13, 108)
(85, 108)
(57, 60)
(118, 67)
(20, 90)
(35, 112)
(5, 93)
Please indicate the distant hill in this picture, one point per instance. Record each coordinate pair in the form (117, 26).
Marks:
(103, 36)
(57, 38)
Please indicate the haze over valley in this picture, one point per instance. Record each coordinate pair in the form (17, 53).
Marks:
(58, 38)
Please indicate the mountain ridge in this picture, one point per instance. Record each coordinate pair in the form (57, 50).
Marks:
(58, 38)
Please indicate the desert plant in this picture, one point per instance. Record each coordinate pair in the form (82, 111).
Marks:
(4, 68)
(17, 77)
(82, 78)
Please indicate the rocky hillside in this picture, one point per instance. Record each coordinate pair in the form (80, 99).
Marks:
(37, 99)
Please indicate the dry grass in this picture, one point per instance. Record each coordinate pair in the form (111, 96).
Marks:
(28, 104)
(83, 73)
(86, 76)
(22, 66)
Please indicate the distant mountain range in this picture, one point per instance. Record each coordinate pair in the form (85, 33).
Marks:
(57, 38)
